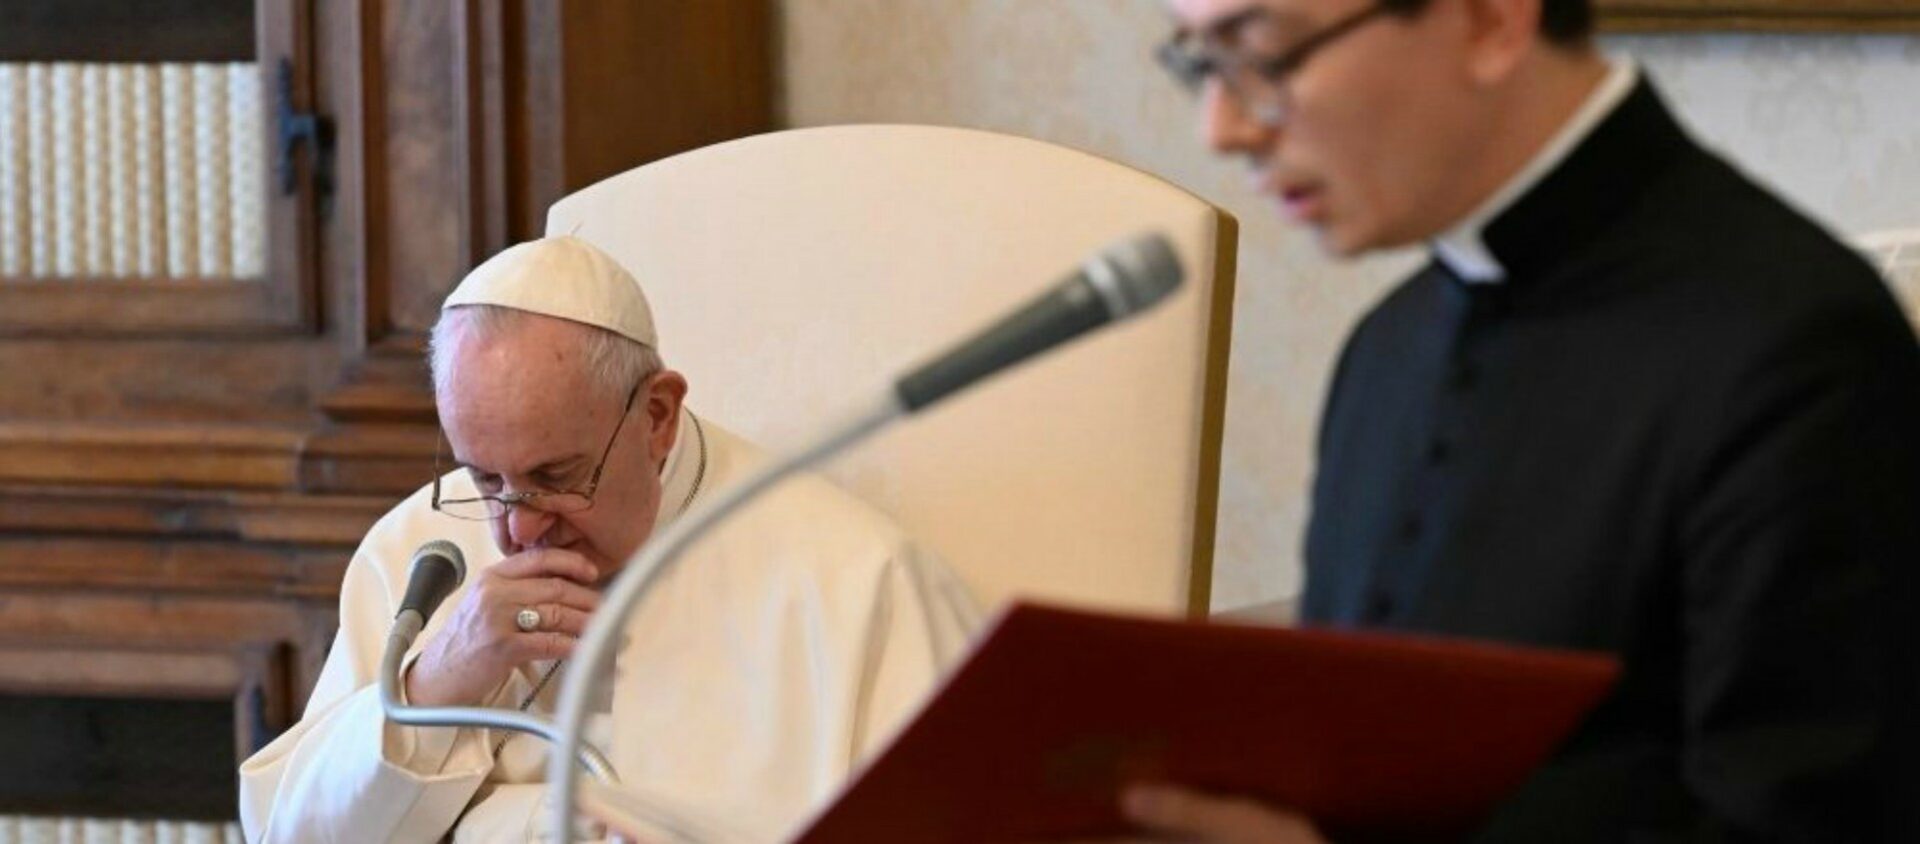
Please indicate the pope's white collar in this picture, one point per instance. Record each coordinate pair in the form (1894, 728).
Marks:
(682, 471)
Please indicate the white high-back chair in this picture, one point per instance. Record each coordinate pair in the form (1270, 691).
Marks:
(1896, 252)
(794, 274)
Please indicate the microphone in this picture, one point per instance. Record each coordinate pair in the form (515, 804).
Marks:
(1118, 282)
(438, 567)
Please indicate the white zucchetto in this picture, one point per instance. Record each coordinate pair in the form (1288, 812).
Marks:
(564, 277)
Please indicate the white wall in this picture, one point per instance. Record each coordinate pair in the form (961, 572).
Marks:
(1834, 122)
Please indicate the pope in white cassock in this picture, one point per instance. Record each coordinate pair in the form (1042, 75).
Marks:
(781, 650)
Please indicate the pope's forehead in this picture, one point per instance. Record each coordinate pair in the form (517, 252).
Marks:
(536, 360)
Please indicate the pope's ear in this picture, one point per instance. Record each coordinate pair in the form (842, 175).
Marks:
(663, 396)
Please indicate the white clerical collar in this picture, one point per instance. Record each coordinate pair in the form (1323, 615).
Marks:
(1463, 248)
(685, 469)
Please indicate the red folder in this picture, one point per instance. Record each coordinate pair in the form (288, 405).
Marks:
(1372, 735)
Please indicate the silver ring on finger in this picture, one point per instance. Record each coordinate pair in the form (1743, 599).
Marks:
(527, 619)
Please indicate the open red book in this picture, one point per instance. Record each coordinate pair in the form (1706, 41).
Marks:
(1371, 734)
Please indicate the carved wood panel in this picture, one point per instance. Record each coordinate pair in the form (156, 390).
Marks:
(176, 479)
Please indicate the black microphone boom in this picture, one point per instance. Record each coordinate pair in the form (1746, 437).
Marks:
(1120, 281)
(437, 568)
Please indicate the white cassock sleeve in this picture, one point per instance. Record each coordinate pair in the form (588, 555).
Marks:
(923, 621)
(343, 774)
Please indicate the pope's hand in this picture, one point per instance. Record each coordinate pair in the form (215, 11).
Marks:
(1189, 816)
(481, 644)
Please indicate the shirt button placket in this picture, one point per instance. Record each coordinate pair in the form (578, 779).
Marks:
(1380, 605)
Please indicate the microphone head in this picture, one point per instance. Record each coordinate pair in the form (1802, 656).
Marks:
(1139, 272)
(445, 550)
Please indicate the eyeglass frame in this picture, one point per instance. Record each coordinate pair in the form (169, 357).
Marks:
(510, 500)
(1190, 68)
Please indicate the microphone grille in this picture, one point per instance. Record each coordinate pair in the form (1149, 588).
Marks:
(1145, 268)
(443, 548)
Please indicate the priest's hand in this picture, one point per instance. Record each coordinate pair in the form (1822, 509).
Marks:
(481, 644)
(1166, 812)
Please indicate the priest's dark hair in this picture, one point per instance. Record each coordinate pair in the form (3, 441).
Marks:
(1567, 23)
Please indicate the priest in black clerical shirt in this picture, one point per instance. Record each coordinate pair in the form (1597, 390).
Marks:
(1633, 404)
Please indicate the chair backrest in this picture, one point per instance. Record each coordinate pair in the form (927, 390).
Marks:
(794, 274)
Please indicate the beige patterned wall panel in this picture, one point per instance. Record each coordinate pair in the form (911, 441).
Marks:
(1822, 117)
(1832, 121)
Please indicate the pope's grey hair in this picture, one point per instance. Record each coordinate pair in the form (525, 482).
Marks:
(613, 362)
